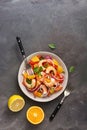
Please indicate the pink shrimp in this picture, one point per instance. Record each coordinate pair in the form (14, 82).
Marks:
(41, 63)
(52, 70)
(43, 89)
(30, 85)
(49, 81)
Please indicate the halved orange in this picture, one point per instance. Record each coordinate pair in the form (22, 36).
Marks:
(35, 115)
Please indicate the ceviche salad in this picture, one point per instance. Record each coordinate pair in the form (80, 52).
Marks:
(45, 76)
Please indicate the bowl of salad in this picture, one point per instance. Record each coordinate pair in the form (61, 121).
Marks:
(46, 79)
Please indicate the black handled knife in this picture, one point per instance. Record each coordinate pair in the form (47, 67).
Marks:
(55, 112)
(21, 46)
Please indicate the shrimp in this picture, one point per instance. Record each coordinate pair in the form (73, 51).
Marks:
(51, 69)
(30, 84)
(40, 78)
(49, 81)
(42, 62)
(43, 90)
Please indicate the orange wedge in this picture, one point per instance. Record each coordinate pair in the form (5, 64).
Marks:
(35, 115)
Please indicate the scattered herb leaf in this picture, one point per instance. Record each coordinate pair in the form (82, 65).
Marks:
(71, 69)
(52, 46)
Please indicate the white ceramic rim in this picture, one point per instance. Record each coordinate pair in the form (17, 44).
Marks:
(29, 94)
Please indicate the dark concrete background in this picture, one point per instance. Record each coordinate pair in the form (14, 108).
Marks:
(38, 23)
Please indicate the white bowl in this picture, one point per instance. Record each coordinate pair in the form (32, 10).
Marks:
(53, 96)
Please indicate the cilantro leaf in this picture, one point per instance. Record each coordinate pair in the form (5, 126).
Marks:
(52, 46)
(40, 69)
(71, 69)
(37, 70)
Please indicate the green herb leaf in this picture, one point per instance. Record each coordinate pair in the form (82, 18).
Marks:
(71, 69)
(40, 69)
(37, 70)
(29, 81)
(39, 74)
(52, 46)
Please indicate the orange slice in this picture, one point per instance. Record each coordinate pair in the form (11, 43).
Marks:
(35, 115)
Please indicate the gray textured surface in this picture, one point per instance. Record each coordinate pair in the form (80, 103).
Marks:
(38, 23)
